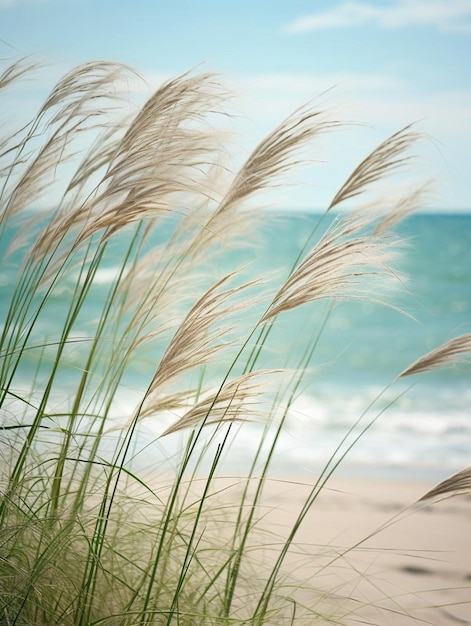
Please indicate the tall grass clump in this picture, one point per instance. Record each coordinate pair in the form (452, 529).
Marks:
(93, 351)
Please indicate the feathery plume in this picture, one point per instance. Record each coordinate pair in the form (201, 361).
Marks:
(447, 353)
(336, 268)
(14, 72)
(163, 155)
(82, 86)
(158, 403)
(239, 400)
(71, 108)
(198, 339)
(457, 485)
(272, 157)
(387, 157)
(39, 173)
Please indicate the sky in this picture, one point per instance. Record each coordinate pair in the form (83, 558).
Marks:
(379, 64)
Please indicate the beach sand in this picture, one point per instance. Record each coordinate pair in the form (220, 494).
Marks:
(365, 553)
(415, 570)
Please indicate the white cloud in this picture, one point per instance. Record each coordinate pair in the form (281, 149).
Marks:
(446, 15)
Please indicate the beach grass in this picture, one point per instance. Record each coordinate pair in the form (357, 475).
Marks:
(87, 537)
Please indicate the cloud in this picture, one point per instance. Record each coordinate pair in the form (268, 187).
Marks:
(445, 15)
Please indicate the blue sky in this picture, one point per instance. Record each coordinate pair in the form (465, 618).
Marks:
(389, 63)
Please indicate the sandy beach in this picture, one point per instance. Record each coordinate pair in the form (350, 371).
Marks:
(367, 549)
(415, 570)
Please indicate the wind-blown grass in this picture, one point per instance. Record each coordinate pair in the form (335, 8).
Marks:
(85, 538)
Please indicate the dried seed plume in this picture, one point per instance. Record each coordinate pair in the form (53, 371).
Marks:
(337, 267)
(448, 353)
(457, 485)
(239, 400)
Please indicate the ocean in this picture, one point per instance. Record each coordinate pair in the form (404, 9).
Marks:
(418, 427)
(422, 426)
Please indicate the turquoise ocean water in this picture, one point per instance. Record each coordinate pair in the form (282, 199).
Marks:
(425, 432)
(426, 429)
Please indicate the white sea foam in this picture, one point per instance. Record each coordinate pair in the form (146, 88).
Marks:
(431, 443)
(409, 438)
